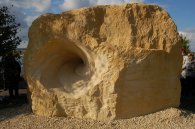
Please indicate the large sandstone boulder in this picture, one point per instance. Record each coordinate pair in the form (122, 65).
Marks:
(103, 62)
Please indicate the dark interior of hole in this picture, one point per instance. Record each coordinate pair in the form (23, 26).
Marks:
(81, 62)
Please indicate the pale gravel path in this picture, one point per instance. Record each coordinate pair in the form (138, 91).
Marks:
(22, 118)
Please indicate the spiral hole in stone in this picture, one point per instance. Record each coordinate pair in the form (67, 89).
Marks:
(63, 66)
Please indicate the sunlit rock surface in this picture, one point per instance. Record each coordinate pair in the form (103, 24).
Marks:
(103, 62)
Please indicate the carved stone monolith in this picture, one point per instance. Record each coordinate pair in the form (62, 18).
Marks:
(103, 62)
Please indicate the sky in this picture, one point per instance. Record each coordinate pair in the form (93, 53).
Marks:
(182, 12)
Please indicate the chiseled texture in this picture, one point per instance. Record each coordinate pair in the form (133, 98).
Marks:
(103, 62)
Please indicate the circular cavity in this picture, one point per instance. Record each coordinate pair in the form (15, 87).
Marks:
(65, 66)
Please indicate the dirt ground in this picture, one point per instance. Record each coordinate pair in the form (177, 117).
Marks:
(18, 115)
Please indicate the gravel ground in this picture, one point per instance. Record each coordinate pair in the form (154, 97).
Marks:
(18, 115)
(21, 117)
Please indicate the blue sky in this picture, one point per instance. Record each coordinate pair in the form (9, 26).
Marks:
(182, 12)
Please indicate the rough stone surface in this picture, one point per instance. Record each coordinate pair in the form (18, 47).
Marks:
(103, 62)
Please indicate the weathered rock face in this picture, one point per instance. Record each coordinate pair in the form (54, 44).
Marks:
(103, 62)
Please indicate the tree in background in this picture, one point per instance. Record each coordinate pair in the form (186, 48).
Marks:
(185, 43)
(8, 32)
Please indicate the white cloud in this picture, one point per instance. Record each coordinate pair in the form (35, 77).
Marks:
(23, 44)
(24, 31)
(190, 34)
(134, 1)
(30, 19)
(105, 2)
(73, 4)
(36, 5)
